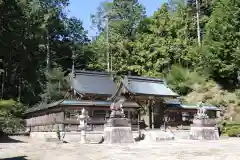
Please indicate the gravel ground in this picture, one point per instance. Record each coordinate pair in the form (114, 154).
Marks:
(224, 149)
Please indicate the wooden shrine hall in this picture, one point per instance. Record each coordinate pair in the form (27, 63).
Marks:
(150, 92)
(89, 90)
(95, 91)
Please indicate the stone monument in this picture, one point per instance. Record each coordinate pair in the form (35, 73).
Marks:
(203, 128)
(83, 124)
(117, 128)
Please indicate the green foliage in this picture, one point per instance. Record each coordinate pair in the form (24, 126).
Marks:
(163, 42)
(58, 133)
(6, 104)
(155, 43)
(234, 132)
(56, 85)
(11, 116)
(123, 19)
(222, 41)
(182, 80)
(232, 129)
(31, 29)
(161, 45)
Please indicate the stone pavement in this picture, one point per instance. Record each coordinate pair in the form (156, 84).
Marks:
(224, 149)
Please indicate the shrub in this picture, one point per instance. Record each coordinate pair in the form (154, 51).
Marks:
(58, 133)
(11, 116)
(232, 129)
(233, 132)
(183, 80)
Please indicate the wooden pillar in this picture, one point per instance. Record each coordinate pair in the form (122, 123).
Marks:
(62, 126)
(139, 119)
(150, 113)
(162, 112)
(218, 114)
(129, 117)
(158, 113)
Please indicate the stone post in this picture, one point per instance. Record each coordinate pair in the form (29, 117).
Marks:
(203, 127)
(83, 124)
(117, 129)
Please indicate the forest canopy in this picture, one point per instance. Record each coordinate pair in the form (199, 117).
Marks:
(38, 41)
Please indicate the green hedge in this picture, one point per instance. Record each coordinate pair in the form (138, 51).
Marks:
(231, 129)
(11, 116)
(233, 132)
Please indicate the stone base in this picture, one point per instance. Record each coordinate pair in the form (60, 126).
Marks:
(117, 122)
(156, 135)
(118, 135)
(71, 137)
(203, 133)
(45, 136)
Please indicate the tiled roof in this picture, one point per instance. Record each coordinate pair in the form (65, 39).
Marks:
(206, 106)
(188, 106)
(43, 106)
(88, 82)
(97, 103)
(147, 86)
(108, 103)
(173, 102)
(79, 103)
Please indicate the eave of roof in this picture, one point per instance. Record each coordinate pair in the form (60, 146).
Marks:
(96, 83)
(195, 107)
(44, 106)
(153, 87)
(79, 103)
(173, 101)
(149, 79)
(92, 72)
(208, 107)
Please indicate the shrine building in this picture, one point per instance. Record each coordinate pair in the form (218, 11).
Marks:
(95, 91)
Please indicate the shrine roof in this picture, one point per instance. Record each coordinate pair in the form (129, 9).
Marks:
(98, 103)
(206, 106)
(43, 106)
(178, 105)
(173, 102)
(86, 103)
(147, 86)
(88, 82)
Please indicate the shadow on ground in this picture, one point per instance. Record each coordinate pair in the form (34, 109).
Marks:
(16, 158)
(6, 139)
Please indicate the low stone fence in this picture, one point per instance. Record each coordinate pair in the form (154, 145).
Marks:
(91, 136)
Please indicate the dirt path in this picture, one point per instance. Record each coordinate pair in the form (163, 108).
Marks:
(227, 149)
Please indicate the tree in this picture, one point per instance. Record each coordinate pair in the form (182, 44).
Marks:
(221, 43)
(165, 39)
(11, 116)
(127, 14)
(32, 32)
(100, 18)
(123, 19)
(56, 87)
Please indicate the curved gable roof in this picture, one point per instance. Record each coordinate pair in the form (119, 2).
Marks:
(87, 82)
(147, 86)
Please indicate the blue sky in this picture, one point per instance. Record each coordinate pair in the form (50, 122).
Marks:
(82, 10)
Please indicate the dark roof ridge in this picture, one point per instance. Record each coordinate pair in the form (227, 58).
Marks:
(144, 78)
(77, 72)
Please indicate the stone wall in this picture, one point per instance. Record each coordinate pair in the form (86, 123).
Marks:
(47, 128)
(66, 120)
(92, 136)
(46, 122)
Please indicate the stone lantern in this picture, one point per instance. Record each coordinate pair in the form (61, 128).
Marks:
(117, 129)
(165, 121)
(203, 127)
(83, 118)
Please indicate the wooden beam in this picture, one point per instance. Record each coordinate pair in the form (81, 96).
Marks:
(150, 113)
